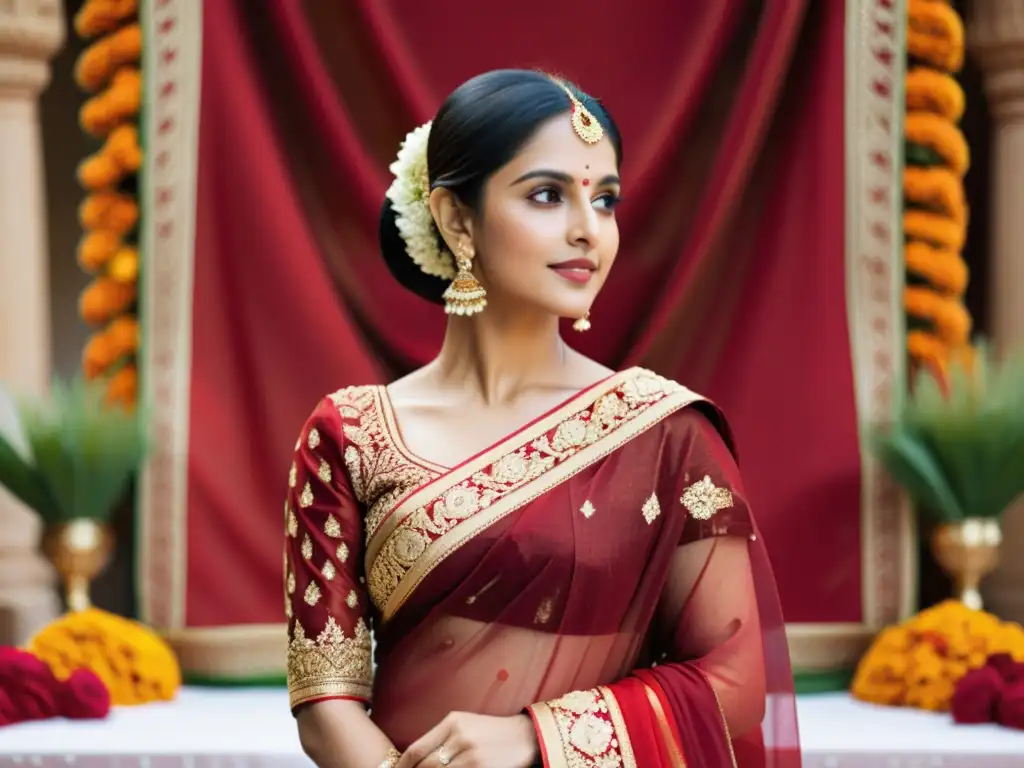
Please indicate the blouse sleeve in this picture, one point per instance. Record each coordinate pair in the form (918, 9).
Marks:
(706, 688)
(329, 648)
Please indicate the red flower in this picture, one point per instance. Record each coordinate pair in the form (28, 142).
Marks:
(976, 696)
(83, 696)
(1011, 671)
(29, 685)
(1010, 709)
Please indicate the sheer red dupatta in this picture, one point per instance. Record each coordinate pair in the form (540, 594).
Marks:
(598, 568)
(719, 685)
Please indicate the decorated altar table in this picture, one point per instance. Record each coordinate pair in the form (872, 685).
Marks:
(251, 727)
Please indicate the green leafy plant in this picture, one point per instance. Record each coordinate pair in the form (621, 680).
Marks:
(958, 446)
(70, 456)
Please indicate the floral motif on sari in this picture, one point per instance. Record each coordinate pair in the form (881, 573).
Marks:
(441, 515)
(380, 474)
(587, 728)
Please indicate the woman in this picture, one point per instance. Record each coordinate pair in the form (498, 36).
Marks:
(557, 560)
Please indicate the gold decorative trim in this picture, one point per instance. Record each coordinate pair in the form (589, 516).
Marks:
(172, 61)
(239, 652)
(331, 665)
(827, 647)
(581, 730)
(619, 724)
(725, 721)
(667, 735)
(452, 477)
(465, 530)
(874, 280)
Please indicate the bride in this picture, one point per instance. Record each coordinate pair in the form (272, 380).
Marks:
(557, 561)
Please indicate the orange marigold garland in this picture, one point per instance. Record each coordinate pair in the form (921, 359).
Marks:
(109, 70)
(936, 213)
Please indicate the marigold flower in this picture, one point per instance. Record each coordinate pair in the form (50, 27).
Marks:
(123, 387)
(103, 299)
(941, 136)
(102, 59)
(96, 248)
(124, 266)
(945, 270)
(937, 189)
(934, 228)
(110, 210)
(937, 92)
(935, 33)
(135, 664)
(119, 102)
(99, 354)
(919, 662)
(947, 315)
(96, 17)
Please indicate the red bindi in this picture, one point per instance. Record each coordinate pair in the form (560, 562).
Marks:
(586, 182)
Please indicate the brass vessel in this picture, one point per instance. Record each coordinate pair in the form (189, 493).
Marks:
(968, 551)
(79, 551)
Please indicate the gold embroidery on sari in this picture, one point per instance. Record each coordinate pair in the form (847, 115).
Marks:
(651, 509)
(324, 472)
(312, 594)
(584, 731)
(293, 524)
(329, 571)
(306, 497)
(331, 665)
(293, 475)
(725, 721)
(704, 499)
(342, 552)
(587, 510)
(379, 473)
(332, 527)
(581, 429)
(313, 440)
(307, 547)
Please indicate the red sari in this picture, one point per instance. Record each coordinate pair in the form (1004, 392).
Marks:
(598, 569)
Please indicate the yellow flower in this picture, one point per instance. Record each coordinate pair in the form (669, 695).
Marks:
(135, 664)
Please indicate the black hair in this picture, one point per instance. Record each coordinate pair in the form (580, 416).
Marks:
(478, 129)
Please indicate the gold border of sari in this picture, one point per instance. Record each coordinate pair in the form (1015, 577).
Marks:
(667, 736)
(561, 744)
(646, 416)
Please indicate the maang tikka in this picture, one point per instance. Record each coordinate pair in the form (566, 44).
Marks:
(465, 295)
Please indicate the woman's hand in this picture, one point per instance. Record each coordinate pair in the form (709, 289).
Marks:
(464, 740)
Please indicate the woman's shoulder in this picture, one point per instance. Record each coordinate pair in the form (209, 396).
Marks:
(694, 416)
(344, 405)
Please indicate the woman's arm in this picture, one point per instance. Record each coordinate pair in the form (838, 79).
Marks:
(326, 603)
(339, 734)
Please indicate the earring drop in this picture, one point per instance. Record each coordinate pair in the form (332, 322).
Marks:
(465, 295)
(582, 324)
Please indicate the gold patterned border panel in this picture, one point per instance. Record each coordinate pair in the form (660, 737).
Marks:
(827, 647)
(241, 652)
(462, 511)
(429, 491)
(583, 729)
(875, 55)
(172, 58)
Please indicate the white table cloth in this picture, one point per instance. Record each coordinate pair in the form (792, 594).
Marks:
(252, 728)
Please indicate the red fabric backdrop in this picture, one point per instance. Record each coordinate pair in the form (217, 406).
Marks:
(730, 278)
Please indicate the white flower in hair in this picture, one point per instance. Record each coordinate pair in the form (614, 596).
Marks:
(408, 194)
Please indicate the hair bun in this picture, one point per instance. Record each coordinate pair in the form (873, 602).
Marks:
(405, 270)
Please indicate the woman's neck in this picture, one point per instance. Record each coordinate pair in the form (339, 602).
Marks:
(499, 354)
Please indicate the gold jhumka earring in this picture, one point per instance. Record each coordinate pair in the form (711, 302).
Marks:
(465, 296)
(582, 324)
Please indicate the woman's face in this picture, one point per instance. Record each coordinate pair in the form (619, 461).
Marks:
(546, 233)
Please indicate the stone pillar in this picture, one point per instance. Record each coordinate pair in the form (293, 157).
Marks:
(995, 38)
(31, 31)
